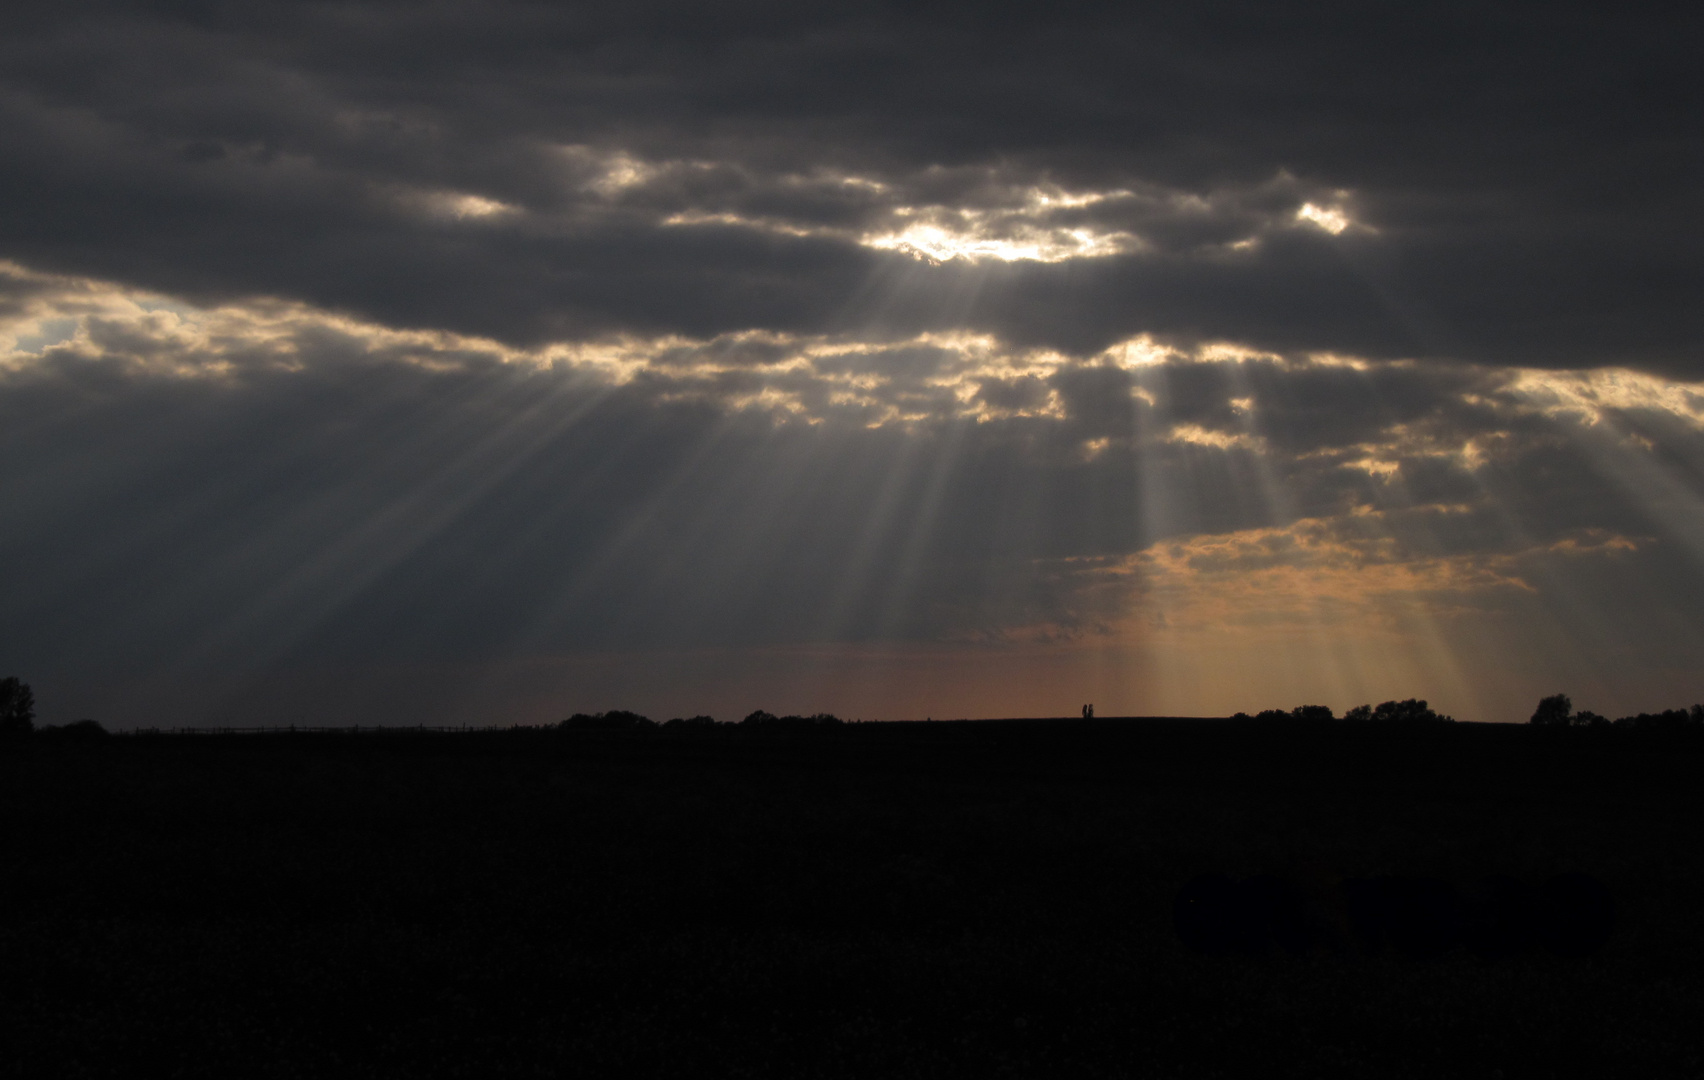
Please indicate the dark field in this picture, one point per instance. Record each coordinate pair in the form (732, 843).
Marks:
(972, 900)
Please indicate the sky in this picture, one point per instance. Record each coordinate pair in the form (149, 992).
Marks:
(487, 362)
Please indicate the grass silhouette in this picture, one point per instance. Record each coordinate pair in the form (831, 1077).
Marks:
(943, 899)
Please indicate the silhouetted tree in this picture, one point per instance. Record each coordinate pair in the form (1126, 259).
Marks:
(1553, 711)
(1304, 713)
(1411, 711)
(1667, 720)
(696, 723)
(17, 707)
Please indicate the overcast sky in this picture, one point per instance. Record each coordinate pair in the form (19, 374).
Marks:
(485, 362)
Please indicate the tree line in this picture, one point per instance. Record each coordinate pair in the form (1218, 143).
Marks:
(17, 717)
(1411, 711)
(622, 720)
(17, 714)
(1558, 711)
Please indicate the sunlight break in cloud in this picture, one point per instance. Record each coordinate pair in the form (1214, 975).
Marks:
(1025, 232)
(1588, 395)
(1331, 220)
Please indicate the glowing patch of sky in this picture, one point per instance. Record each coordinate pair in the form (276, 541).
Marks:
(994, 216)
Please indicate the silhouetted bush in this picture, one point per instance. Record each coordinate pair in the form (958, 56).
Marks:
(79, 729)
(1412, 711)
(1667, 720)
(1303, 713)
(616, 720)
(761, 719)
(17, 707)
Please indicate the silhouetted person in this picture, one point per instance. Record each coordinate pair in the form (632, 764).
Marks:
(1088, 712)
(17, 707)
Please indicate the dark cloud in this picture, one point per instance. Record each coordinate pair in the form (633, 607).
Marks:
(1529, 169)
(1021, 393)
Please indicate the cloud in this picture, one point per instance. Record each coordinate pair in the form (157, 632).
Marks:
(493, 334)
(1067, 181)
(247, 489)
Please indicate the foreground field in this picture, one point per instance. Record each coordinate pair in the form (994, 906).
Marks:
(872, 900)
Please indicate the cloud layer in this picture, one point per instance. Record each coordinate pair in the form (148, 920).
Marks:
(1188, 358)
(264, 486)
(1513, 186)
